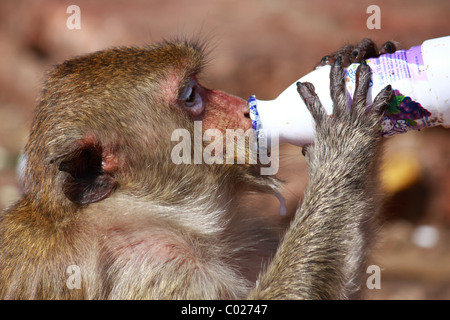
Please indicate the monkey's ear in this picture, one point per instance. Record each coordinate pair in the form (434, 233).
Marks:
(90, 172)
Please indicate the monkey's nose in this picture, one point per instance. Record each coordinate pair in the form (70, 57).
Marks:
(245, 112)
(244, 108)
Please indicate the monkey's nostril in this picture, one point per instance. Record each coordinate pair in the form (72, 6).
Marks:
(245, 110)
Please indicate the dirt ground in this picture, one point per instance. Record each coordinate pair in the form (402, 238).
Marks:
(260, 47)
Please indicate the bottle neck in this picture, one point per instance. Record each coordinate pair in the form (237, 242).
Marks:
(280, 121)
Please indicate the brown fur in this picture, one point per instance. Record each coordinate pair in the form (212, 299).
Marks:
(101, 193)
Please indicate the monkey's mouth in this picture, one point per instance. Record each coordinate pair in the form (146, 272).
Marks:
(247, 122)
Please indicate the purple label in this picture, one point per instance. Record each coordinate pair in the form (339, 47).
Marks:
(415, 59)
(404, 114)
(402, 64)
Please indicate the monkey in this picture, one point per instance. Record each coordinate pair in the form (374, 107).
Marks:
(102, 194)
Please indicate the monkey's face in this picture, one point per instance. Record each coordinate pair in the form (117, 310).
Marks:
(216, 109)
(106, 119)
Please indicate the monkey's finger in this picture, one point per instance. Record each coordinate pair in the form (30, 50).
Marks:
(365, 49)
(338, 90)
(361, 88)
(312, 101)
(344, 55)
(324, 61)
(388, 47)
(382, 100)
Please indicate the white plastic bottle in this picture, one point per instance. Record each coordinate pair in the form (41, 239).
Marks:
(420, 78)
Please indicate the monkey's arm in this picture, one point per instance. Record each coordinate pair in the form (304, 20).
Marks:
(324, 250)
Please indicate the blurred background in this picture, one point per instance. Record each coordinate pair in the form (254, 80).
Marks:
(257, 47)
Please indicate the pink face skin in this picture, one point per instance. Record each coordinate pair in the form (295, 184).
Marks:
(216, 109)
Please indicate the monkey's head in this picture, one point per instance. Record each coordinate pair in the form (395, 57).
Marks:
(104, 121)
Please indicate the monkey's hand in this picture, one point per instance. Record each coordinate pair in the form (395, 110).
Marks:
(351, 133)
(323, 253)
(341, 199)
(354, 54)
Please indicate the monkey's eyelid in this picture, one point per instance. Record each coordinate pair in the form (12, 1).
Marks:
(186, 93)
(191, 97)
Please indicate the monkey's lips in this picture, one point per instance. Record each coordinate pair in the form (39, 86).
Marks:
(247, 124)
(238, 113)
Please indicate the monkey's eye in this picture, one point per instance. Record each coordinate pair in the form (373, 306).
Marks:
(191, 99)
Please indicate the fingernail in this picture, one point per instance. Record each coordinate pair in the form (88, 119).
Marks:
(324, 59)
(338, 61)
(389, 46)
